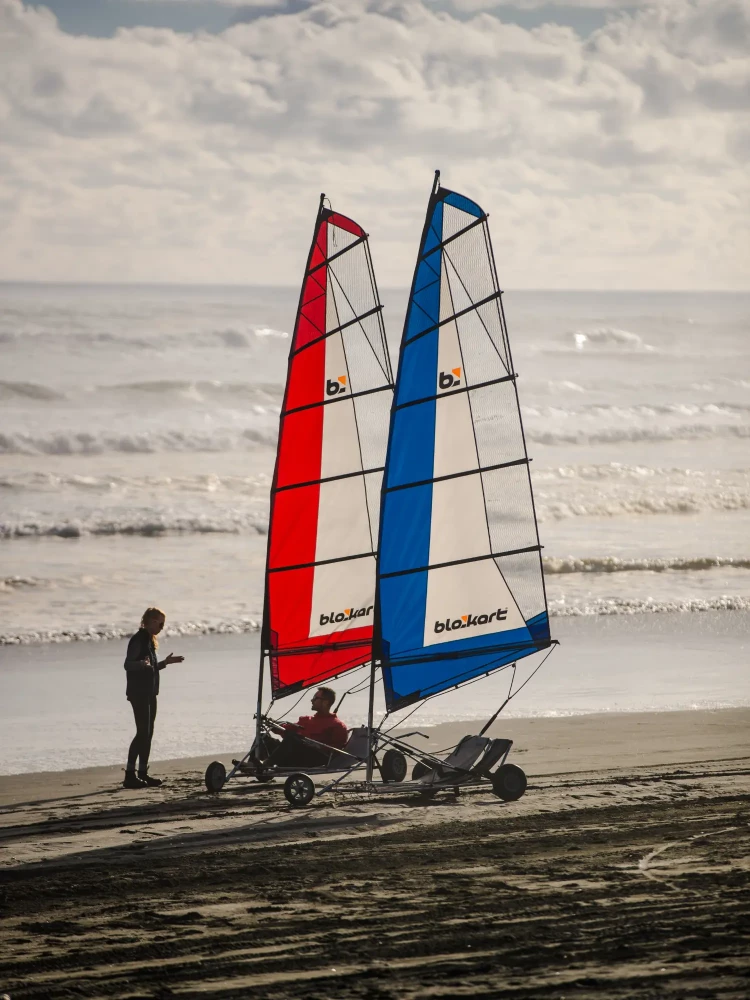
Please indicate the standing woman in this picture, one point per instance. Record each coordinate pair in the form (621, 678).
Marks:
(142, 669)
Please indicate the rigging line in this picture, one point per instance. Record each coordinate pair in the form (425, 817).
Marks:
(474, 428)
(356, 420)
(453, 392)
(518, 691)
(323, 562)
(437, 694)
(381, 324)
(335, 399)
(474, 305)
(453, 475)
(479, 316)
(418, 291)
(496, 283)
(291, 707)
(327, 261)
(523, 437)
(453, 687)
(330, 333)
(491, 254)
(449, 239)
(364, 332)
(328, 479)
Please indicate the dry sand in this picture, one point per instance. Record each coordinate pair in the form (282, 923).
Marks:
(624, 872)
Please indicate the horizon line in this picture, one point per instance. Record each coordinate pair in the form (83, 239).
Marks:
(405, 288)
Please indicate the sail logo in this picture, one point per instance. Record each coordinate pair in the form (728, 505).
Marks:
(335, 386)
(467, 621)
(346, 615)
(449, 380)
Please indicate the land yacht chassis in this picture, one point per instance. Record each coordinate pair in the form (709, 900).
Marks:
(470, 763)
(474, 760)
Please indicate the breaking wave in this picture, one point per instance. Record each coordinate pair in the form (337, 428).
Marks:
(28, 390)
(147, 525)
(617, 435)
(638, 411)
(53, 482)
(613, 564)
(621, 471)
(608, 337)
(643, 505)
(12, 583)
(234, 337)
(623, 606)
(105, 632)
(143, 442)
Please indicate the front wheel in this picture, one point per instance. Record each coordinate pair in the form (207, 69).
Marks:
(298, 790)
(509, 782)
(216, 775)
(394, 766)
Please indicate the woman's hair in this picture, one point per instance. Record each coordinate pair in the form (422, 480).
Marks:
(147, 615)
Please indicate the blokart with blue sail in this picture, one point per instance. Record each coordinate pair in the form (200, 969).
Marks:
(460, 586)
(325, 496)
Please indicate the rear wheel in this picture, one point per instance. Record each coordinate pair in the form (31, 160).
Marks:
(216, 776)
(298, 790)
(509, 782)
(420, 770)
(393, 767)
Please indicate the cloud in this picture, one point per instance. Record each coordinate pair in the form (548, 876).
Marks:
(611, 161)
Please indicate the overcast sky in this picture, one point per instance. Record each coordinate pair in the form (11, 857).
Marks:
(188, 140)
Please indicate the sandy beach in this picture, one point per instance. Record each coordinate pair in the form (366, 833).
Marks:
(622, 872)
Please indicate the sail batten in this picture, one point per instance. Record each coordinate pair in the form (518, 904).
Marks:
(320, 569)
(460, 587)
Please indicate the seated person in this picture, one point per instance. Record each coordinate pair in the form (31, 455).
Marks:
(323, 727)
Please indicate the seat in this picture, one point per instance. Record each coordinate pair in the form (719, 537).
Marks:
(357, 745)
(466, 754)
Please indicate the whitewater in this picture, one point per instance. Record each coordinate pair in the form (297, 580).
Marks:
(139, 425)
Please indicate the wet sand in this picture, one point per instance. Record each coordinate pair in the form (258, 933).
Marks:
(622, 873)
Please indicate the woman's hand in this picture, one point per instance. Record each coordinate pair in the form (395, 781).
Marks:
(173, 659)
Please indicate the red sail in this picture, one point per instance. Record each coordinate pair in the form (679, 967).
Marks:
(325, 498)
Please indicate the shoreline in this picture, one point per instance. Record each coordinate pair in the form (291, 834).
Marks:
(596, 741)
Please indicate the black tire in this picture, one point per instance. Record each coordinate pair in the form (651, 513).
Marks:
(394, 766)
(509, 782)
(216, 776)
(299, 790)
(420, 770)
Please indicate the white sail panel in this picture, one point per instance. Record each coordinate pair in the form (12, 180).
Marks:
(468, 600)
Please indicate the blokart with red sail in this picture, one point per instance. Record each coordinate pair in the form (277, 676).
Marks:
(325, 496)
(460, 586)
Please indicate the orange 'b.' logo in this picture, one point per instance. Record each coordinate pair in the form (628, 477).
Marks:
(450, 380)
(336, 386)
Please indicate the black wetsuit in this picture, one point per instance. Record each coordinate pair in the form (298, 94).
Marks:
(142, 689)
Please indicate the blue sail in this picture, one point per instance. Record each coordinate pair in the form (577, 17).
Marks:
(460, 584)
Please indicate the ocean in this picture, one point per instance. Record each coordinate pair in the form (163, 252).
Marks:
(138, 432)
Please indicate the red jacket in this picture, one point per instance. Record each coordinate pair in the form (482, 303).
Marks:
(326, 729)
